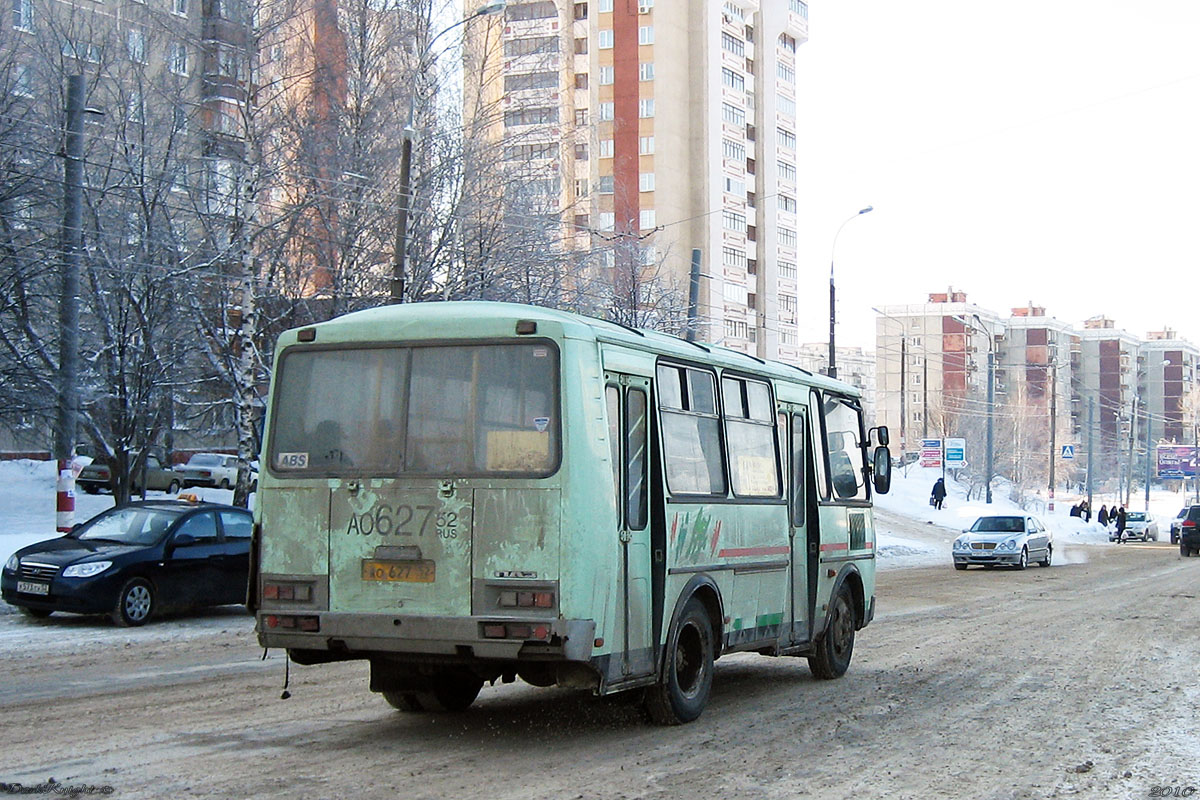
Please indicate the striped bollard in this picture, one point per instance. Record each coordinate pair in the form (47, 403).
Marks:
(65, 500)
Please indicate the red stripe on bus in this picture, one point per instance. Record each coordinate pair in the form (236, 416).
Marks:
(754, 551)
(835, 546)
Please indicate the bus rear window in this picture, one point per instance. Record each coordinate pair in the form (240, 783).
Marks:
(470, 410)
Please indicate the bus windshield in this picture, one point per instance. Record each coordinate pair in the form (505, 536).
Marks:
(453, 410)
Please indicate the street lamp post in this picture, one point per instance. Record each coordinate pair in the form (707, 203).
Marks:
(400, 251)
(832, 372)
(991, 401)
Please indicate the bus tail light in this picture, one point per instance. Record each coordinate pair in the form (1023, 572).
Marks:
(306, 623)
(526, 600)
(518, 630)
(294, 592)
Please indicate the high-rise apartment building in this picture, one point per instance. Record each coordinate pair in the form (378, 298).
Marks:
(1170, 385)
(931, 366)
(658, 128)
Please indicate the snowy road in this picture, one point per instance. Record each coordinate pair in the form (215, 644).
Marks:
(992, 684)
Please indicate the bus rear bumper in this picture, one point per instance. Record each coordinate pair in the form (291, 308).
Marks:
(346, 635)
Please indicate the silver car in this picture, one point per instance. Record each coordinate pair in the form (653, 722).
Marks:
(1139, 525)
(1013, 540)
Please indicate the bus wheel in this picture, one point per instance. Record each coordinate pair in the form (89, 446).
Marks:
(835, 645)
(452, 691)
(682, 693)
(403, 701)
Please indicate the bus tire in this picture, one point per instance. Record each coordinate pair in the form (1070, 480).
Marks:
(835, 645)
(403, 701)
(451, 691)
(686, 683)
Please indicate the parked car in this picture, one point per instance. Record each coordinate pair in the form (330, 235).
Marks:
(1138, 525)
(213, 469)
(1012, 539)
(135, 560)
(96, 477)
(1177, 523)
(1189, 532)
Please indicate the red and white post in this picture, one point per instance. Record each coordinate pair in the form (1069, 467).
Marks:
(65, 502)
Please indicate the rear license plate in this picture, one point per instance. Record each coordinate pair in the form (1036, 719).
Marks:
(28, 587)
(406, 571)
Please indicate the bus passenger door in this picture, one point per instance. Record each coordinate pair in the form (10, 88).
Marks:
(627, 398)
(804, 533)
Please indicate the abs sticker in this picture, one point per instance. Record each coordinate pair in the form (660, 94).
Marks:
(292, 461)
(541, 424)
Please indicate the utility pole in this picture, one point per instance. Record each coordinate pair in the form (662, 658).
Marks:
(991, 410)
(903, 373)
(1131, 459)
(400, 251)
(66, 421)
(1091, 426)
(1054, 427)
(694, 299)
(1147, 457)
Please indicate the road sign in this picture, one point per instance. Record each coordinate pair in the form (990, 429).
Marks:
(1068, 451)
(931, 452)
(956, 453)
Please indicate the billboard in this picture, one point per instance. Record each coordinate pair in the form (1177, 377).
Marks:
(1176, 461)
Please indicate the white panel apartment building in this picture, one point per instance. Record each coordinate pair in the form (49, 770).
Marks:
(666, 126)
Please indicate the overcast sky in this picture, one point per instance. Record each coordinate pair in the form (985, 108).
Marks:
(1041, 151)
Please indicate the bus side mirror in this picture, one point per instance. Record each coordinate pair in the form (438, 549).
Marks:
(881, 472)
(881, 435)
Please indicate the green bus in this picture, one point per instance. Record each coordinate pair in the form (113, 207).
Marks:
(460, 493)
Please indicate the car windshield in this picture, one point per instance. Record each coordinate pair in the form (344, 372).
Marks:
(130, 525)
(1136, 516)
(999, 525)
(204, 460)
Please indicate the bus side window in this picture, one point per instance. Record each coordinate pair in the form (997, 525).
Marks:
(635, 443)
(612, 398)
(818, 447)
(691, 431)
(799, 459)
(843, 430)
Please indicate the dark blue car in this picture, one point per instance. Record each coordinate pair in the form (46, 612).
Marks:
(136, 560)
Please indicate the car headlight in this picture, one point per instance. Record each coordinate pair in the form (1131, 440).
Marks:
(13, 563)
(962, 544)
(86, 570)
(1008, 544)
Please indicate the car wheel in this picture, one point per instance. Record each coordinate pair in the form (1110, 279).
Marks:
(91, 489)
(960, 566)
(682, 692)
(36, 613)
(1184, 550)
(1024, 562)
(173, 488)
(835, 646)
(135, 603)
(224, 484)
(1049, 555)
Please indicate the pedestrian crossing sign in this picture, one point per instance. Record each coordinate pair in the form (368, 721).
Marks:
(1068, 451)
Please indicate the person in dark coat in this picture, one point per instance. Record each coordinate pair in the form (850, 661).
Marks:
(1085, 510)
(939, 493)
(1121, 524)
(1102, 517)
(1075, 511)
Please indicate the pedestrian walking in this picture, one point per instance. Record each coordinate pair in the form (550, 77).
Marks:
(938, 496)
(1121, 524)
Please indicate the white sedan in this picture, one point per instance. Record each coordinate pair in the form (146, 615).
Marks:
(1013, 540)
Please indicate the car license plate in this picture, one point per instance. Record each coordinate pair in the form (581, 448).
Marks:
(28, 587)
(407, 571)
